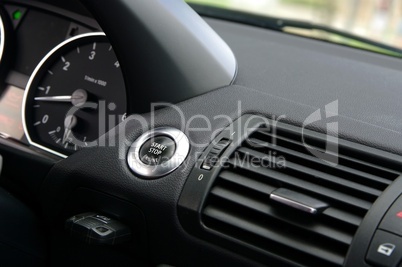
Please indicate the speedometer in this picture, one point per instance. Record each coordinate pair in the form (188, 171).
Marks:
(74, 95)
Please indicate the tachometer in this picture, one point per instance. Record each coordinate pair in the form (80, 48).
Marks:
(74, 95)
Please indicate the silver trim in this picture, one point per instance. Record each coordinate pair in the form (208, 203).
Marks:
(2, 38)
(150, 172)
(32, 78)
(293, 204)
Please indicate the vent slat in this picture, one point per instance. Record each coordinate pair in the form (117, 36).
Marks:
(358, 151)
(272, 213)
(287, 239)
(308, 186)
(314, 174)
(246, 182)
(368, 167)
(349, 173)
(343, 216)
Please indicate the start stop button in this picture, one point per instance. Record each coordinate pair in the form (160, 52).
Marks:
(158, 152)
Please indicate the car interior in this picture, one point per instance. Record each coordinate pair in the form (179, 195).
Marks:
(166, 133)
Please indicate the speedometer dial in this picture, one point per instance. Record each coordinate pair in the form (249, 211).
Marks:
(75, 95)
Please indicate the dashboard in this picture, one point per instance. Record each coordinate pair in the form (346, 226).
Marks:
(197, 141)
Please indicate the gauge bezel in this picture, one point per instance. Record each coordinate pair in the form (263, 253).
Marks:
(63, 45)
(2, 38)
(7, 50)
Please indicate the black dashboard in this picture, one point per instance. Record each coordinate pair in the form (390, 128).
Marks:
(281, 196)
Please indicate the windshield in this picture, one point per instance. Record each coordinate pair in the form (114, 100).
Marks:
(376, 20)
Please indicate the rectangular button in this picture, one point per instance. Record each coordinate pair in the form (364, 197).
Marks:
(385, 250)
(392, 221)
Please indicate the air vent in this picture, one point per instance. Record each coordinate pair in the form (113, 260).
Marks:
(243, 201)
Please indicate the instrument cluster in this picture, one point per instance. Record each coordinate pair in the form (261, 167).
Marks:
(64, 89)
